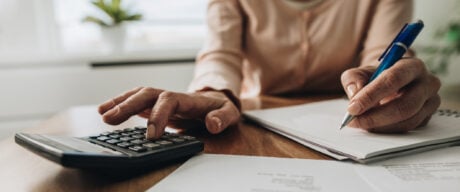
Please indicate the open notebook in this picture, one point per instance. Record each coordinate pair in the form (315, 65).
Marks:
(316, 125)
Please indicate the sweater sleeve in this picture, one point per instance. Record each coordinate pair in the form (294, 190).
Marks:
(219, 63)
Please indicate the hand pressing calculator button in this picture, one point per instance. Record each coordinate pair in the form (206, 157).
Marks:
(127, 148)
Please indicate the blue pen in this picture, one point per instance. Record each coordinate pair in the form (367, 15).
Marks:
(393, 53)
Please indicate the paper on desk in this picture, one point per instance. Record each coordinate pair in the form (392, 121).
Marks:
(229, 173)
(317, 124)
(437, 170)
(293, 135)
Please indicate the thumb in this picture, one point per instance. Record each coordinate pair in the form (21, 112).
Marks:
(219, 119)
(354, 79)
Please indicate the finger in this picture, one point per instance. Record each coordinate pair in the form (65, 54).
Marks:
(104, 107)
(389, 82)
(143, 99)
(354, 79)
(419, 119)
(170, 105)
(145, 114)
(425, 121)
(219, 119)
(410, 102)
(164, 108)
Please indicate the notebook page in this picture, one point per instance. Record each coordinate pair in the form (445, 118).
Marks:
(319, 123)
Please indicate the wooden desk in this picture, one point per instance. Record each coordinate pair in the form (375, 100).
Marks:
(21, 170)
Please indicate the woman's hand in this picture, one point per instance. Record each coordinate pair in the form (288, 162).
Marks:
(401, 99)
(163, 108)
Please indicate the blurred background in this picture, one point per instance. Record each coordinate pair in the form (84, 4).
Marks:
(51, 60)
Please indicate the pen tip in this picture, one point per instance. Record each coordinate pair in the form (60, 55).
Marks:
(346, 120)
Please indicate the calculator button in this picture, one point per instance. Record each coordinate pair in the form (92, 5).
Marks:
(137, 148)
(138, 141)
(124, 144)
(177, 140)
(118, 131)
(128, 129)
(126, 138)
(102, 138)
(187, 137)
(113, 141)
(139, 131)
(105, 133)
(164, 142)
(151, 145)
(115, 136)
(127, 133)
(138, 136)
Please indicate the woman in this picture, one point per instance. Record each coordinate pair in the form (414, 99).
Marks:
(293, 46)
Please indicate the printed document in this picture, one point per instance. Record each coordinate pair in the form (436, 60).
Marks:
(229, 173)
(437, 170)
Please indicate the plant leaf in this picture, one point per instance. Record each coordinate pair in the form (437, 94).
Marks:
(113, 9)
(134, 17)
(106, 8)
(118, 16)
(95, 20)
(116, 5)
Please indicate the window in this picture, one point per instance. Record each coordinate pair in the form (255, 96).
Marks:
(165, 24)
(54, 28)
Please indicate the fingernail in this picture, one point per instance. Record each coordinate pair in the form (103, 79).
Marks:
(218, 122)
(111, 112)
(351, 90)
(150, 131)
(354, 108)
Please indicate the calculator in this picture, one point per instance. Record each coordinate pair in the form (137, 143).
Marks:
(126, 148)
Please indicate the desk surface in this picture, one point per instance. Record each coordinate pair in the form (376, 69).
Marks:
(22, 170)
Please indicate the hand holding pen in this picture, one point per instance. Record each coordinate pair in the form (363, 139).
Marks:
(397, 96)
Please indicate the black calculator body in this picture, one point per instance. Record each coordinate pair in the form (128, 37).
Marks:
(118, 149)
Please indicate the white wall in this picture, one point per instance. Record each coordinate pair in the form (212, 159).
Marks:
(435, 14)
(26, 27)
(29, 95)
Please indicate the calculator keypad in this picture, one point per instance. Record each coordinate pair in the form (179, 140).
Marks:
(133, 139)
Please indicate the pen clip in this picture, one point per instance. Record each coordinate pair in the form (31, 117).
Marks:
(392, 42)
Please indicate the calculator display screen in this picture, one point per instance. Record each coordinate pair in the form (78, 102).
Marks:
(72, 144)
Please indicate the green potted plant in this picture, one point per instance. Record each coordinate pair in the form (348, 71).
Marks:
(439, 57)
(443, 58)
(112, 25)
